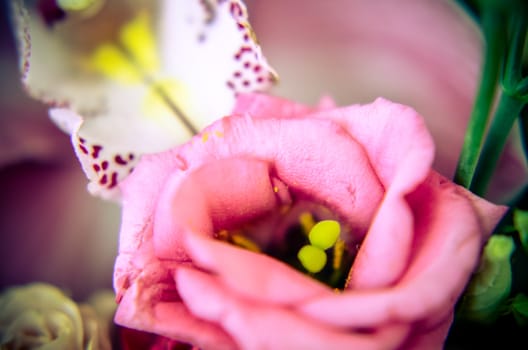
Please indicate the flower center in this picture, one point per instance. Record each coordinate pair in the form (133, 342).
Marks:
(133, 59)
(323, 249)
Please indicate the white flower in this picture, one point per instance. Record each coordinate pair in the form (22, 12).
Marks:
(130, 77)
(39, 315)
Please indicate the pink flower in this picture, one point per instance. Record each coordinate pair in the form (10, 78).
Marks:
(415, 236)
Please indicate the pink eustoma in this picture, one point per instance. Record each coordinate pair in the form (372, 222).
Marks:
(418, 235)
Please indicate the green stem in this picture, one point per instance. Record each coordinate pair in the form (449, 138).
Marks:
(523, 126)
(512, 73)
(522, 87)
(494, 33)
(507, 112)
(510, 105)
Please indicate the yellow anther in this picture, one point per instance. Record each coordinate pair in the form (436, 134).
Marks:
(244, 242)
(137, 56)
(339, 249)
(110, 61)
(275, 189)
(307, 222)
(137, 37)
(219, 133)
(205, 137)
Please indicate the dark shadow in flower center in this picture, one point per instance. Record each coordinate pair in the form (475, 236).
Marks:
(292, 225)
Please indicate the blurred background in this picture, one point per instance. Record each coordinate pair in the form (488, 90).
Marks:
(51, 229)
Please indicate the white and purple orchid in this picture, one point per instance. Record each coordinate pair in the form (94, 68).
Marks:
(130, 77)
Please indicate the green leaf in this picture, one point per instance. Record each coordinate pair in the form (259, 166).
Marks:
(519, 308)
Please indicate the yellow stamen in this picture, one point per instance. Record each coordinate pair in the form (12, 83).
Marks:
(205, 137)
(135, 60)
(244, 242)
(339, 249)
(307, 222)
(138, 39)
(111, 62)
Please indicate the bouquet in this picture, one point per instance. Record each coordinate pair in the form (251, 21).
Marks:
(357, 179)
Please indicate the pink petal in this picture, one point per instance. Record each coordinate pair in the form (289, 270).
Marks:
(431, 338)
(423, 231)
(351, 189)
(401, 154)
(145, 307)
(384, 253)
(258, 326)
(266, 106)
(141, 196)
(404, 148)
(265, 279)
(213, 197)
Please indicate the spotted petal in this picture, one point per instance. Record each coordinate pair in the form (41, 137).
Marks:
(105, 162)
(131, 77)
